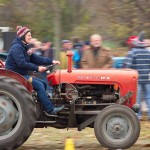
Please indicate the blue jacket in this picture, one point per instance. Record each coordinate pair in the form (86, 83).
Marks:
(76, 58)
(19, 61)
(139, 59)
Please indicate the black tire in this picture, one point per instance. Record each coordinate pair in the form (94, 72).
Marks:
(117, 127)
(23, 107)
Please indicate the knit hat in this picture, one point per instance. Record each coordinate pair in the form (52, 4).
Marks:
(130, 39)
(22, 31)
(137, 41)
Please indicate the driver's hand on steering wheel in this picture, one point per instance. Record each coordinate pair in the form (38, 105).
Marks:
(56, 62)
(41, 69)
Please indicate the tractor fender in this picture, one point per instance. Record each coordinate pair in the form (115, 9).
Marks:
(18, 77)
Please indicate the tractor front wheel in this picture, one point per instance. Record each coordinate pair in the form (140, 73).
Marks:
(117, 127)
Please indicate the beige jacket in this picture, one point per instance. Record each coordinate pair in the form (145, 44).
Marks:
(101, 60)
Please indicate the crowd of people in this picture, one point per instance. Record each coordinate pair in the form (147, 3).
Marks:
(91, 54)
(88, 54)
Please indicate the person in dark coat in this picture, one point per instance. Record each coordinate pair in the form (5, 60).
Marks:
(20, 61)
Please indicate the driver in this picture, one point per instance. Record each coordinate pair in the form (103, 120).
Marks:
(20, 61)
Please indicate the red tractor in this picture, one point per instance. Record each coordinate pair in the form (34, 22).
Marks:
(101, 99)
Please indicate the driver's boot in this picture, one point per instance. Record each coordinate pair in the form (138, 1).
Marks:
(56, 110)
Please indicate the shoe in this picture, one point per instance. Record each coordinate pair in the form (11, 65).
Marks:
(56, 110)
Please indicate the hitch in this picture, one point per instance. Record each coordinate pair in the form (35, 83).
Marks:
(86, 123)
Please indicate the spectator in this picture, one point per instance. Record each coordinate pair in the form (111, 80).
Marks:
(62, 54)
(77, 50)
(20, 61)
(147, 43)
(130, 45)
(138, 58)
(36, 47)
(68, 45)
(42, 49)
(96, 56)
(46, 51)
(86, 45)
(78, 47)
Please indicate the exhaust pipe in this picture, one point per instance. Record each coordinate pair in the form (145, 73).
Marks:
(69, 55)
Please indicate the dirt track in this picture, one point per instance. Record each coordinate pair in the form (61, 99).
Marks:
(54, 139)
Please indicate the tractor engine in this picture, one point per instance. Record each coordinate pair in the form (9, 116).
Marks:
(87, 94)
(94, 94)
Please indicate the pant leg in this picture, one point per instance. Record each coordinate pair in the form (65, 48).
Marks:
(44, 83)
(39, 87)
(43, 76)
(139, 98)
(147, 97)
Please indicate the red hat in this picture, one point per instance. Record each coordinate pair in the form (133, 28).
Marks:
(21, 31)
(130, 40)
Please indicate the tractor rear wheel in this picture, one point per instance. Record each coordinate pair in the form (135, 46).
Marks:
(117, 127)
(17, 114)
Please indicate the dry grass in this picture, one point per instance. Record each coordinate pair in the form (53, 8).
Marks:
(54, 139)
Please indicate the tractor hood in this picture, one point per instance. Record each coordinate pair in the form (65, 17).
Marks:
(102, 76)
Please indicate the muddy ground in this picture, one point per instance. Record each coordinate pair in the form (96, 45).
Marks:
(54, 139)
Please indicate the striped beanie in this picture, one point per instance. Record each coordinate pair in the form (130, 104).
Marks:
(22, 31)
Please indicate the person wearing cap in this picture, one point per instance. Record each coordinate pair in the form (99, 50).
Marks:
(138, 58)
(67, 45)
(62, 54)
(130, 45)
(96, 56)
(20, 61)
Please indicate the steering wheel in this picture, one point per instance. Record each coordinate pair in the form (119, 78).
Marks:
(51, 68)
(48, 68)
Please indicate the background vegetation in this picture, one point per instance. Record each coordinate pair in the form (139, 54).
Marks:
(63, 19)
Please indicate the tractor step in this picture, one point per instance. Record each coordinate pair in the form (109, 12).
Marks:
(49, 122)
(83, 112)
(50, 115)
